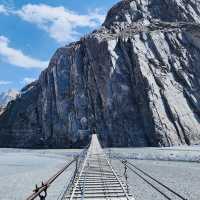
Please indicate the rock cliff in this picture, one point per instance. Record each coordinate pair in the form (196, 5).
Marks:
(136, 80)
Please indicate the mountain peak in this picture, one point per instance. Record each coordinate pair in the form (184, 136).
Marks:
(7, 96)
(131, 11)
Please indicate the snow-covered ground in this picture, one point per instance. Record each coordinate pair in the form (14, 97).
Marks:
(20, 170)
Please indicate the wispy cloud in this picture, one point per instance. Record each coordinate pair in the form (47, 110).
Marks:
(17, 57)
(3, 9)
(2, 82)
(27, 80)
(60, 23)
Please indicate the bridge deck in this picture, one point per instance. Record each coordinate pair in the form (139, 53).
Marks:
(97, 179)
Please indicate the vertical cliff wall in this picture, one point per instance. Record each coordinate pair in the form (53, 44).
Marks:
(136, 80)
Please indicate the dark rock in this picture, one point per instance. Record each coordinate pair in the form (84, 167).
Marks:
(136, 80)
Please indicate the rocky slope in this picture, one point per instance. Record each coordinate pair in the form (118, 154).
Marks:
(136, 80)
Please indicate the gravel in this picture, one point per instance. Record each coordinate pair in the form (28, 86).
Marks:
(20, 170)
(176, 167)
(182, 177)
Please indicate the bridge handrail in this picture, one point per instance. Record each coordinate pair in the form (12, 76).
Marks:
(43, 188)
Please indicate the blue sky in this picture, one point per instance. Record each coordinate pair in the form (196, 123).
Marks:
(31, 31)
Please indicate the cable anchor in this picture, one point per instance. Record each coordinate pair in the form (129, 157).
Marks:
(43, 194)
(125, 174)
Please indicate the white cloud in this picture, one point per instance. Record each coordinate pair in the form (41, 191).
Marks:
(27, 80)
(2, 82)
(3, 9)
(61, 24)
(17, 57)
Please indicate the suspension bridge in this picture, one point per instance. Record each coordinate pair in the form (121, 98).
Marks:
(95, 178)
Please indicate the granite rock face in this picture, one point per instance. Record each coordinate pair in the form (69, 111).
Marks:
(136, 80)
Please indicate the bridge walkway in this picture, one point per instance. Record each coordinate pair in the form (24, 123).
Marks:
(97, 179)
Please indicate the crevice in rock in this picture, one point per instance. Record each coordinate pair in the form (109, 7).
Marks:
(177, 77)
(171, 115)
(183, 131)
(194, 108)
(160, 85)
(137, 79)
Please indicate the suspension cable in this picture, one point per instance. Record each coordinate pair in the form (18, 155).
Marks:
(175, 193)
(38, 191)
(162, 193)
(158, 182)
(41, 191)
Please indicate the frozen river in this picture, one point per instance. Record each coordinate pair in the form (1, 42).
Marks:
(20, 170)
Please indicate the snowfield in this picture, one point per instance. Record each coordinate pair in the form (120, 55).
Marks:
(177, 167)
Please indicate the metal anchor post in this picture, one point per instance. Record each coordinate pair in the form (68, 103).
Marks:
(125, 174)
